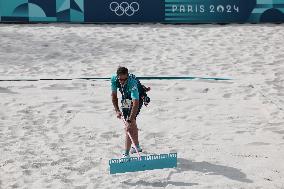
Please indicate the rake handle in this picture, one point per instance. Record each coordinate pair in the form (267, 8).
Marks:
(132, 141)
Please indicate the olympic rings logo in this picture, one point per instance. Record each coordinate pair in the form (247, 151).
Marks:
(124, 8)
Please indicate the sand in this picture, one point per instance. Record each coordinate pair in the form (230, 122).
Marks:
(61, 134)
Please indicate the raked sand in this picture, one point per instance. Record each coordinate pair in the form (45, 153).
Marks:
(61, 134)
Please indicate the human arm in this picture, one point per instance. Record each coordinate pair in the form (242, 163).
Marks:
(115, 104)
(114, 98)
(135, 102)
(134, 109)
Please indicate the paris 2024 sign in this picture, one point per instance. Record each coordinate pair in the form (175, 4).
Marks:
(139, 11)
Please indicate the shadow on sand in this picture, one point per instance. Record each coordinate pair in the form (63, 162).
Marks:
(203, 167)
(211, 169)
(162, 184)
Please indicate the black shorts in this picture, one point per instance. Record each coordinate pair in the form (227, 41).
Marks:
(126, 111)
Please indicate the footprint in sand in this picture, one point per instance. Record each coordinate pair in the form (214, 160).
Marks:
(206, 90)
(258, 143)
(60, 161)
(27, 172)
(227, 95)
(279, 132)
(248, 156)
(154, 135)
(110, 134)
(5, 90)
(241, 132)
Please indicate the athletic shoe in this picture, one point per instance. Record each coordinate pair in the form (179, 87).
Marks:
(132, 150)
(125, 158)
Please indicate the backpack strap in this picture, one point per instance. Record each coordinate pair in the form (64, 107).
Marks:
(125, 94)
(142, 90)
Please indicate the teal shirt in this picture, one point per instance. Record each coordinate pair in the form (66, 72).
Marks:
(131, 86)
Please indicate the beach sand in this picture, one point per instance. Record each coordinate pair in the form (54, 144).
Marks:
(62, 134)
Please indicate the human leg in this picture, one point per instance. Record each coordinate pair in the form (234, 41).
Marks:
(133, 130)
